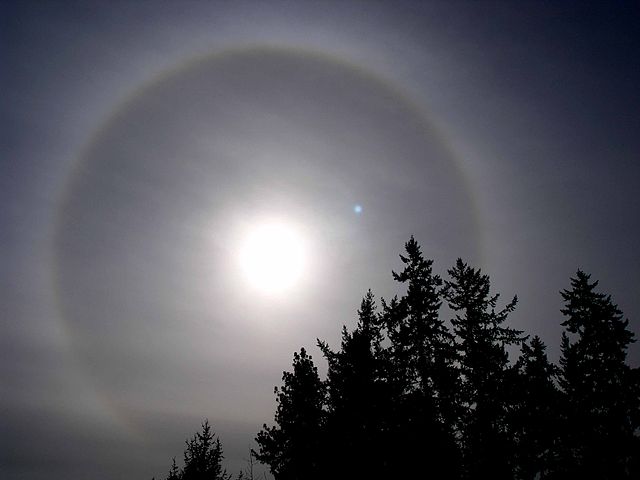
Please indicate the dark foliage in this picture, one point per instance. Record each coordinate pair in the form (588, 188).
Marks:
(202, 458)
(533, 412)
(421, 358)
(356, 412)
(293, 447)
(486, 445)
(601, 414)
(410, 394)
(414, 394)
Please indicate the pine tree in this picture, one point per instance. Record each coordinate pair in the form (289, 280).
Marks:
(483, 341)
(174, 472)
(422, 354)
(602, 411)
(292, 448)
(358, 404)
(417, 327)
(203, 456)
(534, 416)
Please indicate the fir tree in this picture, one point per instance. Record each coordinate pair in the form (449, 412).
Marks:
(602, 392)
(203, 456)
(292, 448)
(534, 416)
(358, 403)
(419, 328)
(422, 352)
(174, 472)
(483, 341)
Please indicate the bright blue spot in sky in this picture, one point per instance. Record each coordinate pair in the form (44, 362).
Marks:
(357, 209)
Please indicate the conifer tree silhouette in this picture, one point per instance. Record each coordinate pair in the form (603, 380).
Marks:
(174, 471)
(418, 328)
(422, 352)
(358, 403)
(534, 415)
(293, 447)
(202, 458)
(482, 340)
(602, 409)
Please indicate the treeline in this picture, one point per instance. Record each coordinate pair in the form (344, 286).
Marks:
(411, 394)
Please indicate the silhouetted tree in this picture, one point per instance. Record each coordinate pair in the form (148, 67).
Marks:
(203, 457)
(292, 448)
(422, 352)
(358, 403)
(534, 416)
(174, 471)
(602, 410)
(418, 329)
(482, 340)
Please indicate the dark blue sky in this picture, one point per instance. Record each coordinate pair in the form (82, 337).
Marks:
(139, 140)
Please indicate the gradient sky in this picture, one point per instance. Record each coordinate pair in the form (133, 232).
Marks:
(140, 141)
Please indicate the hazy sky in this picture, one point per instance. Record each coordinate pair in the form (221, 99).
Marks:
(141, 142)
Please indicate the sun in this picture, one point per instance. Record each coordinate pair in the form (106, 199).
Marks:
(273, 257)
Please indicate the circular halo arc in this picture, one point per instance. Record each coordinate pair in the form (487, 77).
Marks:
(122, 417)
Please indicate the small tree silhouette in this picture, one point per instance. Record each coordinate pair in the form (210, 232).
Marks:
(202, 458)
(174, 471)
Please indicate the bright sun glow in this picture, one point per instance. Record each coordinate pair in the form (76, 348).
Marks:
(273, 257)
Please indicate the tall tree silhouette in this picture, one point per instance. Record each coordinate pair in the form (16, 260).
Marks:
(292, 448)
(422, 352)
(418, 328)
(358, 402)
(602, 392)
(534, 416)
(482, 339)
